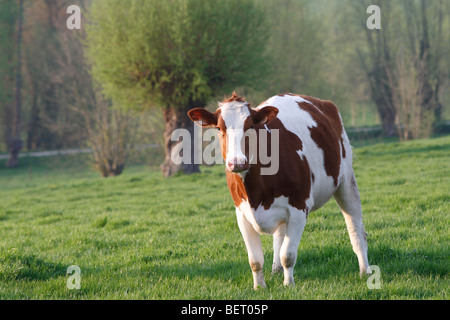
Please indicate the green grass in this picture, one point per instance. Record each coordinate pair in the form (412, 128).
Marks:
(140, 236)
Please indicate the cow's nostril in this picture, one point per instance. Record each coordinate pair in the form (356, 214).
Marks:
(230, 166)
(236, 167)
(237, 164)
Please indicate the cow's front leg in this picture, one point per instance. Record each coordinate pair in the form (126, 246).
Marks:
(254, 249)
(294, 230)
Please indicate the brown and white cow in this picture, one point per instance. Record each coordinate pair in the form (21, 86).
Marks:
(315, 163)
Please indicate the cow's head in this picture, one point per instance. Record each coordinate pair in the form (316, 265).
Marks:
(232, 119)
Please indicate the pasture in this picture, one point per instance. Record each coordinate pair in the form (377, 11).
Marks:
(141, 236)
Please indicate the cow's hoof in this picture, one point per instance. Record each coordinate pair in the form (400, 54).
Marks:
(365, 272)
(277, 269)
(260, 286)
(289, 282)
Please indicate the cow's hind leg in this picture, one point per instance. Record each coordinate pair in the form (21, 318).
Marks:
(278, 238)
(347, 196)
(254, 249)
(288, 253)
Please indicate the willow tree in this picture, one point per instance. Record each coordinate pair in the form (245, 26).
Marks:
(405, 62)
(175, 55)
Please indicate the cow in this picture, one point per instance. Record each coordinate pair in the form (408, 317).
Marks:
(315, 163)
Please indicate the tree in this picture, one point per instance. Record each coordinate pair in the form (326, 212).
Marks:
(49, 51)
(15, 142)
(8, 18)
(403, 62)
(111, 134)
(109, 131)
(11, 22)
(426, 43)
(376, 58)
(175, 55)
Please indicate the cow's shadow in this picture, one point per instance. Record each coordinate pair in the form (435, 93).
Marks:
(333, 261)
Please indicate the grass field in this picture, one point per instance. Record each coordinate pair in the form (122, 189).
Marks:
(140, 236)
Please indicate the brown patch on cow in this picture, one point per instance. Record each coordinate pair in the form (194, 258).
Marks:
(288, 94)
(249, 122)
(327, 134)
(255, 266)
(222, 131)
(264, 114)
(237, 188)
(204, 117)
(293, 179)
(221, 123)
(288, 261)
(234, 97)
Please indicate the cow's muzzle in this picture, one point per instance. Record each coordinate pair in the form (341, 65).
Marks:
(237, 165)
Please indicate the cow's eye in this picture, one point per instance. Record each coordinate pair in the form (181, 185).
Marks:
(218, 129)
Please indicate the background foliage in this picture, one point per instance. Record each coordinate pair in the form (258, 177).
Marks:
(313, 47)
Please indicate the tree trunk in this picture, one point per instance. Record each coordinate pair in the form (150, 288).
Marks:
(34, 122)
(382, 95)
(177, 118)
(388, 122)
(14, 147)
(15, 143)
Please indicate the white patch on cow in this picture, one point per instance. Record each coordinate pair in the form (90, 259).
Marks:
(234, 115)
(266, 221)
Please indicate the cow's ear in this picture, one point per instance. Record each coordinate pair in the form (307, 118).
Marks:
(203, 117)
(265, 115)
